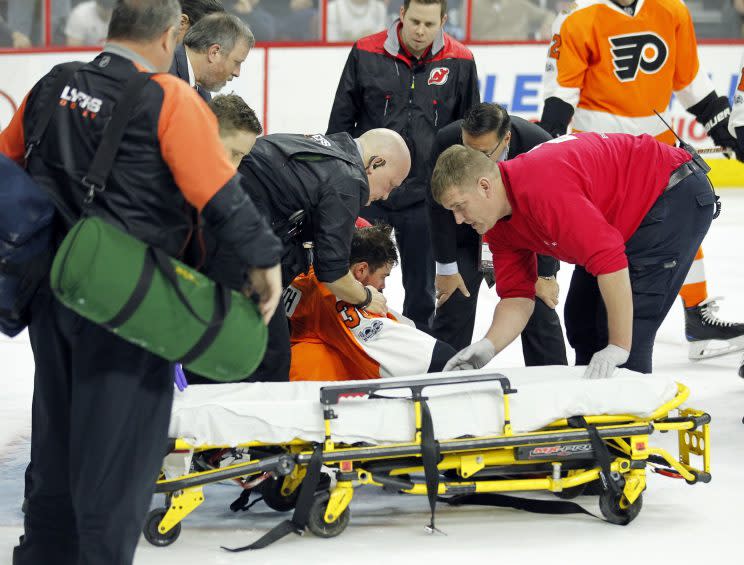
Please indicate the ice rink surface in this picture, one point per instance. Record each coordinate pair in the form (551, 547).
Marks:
(678, 522)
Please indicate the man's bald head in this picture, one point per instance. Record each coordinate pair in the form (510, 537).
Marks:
(387, 161)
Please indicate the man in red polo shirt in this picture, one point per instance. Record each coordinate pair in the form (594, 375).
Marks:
(630, 210)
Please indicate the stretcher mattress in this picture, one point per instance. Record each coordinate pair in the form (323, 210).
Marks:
(231, 414)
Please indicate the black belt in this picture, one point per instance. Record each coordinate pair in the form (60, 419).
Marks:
(679, 174)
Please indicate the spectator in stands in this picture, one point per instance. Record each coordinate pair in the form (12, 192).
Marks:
(25, 17)
(739, 8)
(88, 22)
(510, 20)
(261, 22)
(11, 38)
(348, 20)
(194, 10)
(298, 19)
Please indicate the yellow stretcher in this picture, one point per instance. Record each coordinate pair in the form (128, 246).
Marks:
(611, 451)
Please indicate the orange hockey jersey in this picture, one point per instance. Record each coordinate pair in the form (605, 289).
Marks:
(335, 341)
(615, 69)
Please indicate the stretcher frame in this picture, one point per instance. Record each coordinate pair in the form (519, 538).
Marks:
(558, 461)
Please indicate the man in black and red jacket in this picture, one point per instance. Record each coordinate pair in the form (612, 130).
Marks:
(414, 79)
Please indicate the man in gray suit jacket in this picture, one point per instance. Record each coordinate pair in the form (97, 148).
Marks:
(212, 52)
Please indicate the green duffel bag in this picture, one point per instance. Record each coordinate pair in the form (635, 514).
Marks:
(150, 299)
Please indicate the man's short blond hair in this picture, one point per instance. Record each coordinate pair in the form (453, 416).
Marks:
(459, 167)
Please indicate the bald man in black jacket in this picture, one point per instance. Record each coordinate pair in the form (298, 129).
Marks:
(457, 248)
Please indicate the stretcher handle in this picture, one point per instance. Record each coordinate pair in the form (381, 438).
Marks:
(332, 394)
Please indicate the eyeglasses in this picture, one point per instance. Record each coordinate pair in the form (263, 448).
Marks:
(489, 153)
(492, 151)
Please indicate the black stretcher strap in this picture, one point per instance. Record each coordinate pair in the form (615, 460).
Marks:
(601, 454)
(430, 459)
(526, 504)
(301, 514)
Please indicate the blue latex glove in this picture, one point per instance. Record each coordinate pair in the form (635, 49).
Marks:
(179, 378)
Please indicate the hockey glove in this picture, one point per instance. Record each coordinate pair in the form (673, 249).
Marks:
(713, 113)
(474, 356)
(604, 362)
(556, 116)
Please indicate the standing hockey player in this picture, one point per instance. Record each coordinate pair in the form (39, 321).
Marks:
(414, 79)
(610, 65)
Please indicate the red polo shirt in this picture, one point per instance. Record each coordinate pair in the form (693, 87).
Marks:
(578, 198)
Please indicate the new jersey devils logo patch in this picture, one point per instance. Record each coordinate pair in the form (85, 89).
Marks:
(438, 76)
(631, 52)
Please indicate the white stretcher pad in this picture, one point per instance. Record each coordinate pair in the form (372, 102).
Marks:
(231, 414)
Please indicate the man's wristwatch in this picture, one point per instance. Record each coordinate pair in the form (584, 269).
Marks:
(550, 278)
(367, 301)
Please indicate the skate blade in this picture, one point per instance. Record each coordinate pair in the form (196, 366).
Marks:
(711, 348)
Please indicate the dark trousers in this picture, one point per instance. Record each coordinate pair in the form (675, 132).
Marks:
(660, 253)
(542, 338)
(100, 416)
(416, 258)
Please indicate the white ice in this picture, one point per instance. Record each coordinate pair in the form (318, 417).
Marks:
(678, 522)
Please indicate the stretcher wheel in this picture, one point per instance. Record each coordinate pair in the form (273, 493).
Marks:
(616, 509)
(271, 490)
(316, 521)
(151, 533)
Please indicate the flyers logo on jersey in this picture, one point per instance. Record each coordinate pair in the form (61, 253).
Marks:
(438, 76)
(637, 51)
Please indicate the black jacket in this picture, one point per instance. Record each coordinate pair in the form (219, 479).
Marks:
(180, 68)
(382, 86)
(446, 234)
(154, 186)
(322, 175)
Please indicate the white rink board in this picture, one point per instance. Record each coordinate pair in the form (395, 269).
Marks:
(302, 81)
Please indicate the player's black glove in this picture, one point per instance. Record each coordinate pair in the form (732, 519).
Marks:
(713, 113)
(556, 116)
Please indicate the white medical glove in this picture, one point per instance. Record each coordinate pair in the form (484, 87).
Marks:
(604, 362)
(474, 356)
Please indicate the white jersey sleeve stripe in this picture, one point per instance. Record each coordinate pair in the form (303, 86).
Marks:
(698, 89)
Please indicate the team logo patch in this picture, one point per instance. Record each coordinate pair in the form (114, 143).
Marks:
(369, 332)
(317, 138)
(438, 76)
(646, 52)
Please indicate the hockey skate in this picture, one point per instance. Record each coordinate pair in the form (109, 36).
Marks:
(709, 336)
(741, 368)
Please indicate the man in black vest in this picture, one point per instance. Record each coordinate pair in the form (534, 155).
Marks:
(457, 248)
(212, 52)
(328, 178)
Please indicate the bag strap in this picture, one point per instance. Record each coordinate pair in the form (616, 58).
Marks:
(103, 160)
(222, 295)
(47, 109)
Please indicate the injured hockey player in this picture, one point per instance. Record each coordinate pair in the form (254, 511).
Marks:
(336, 341)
